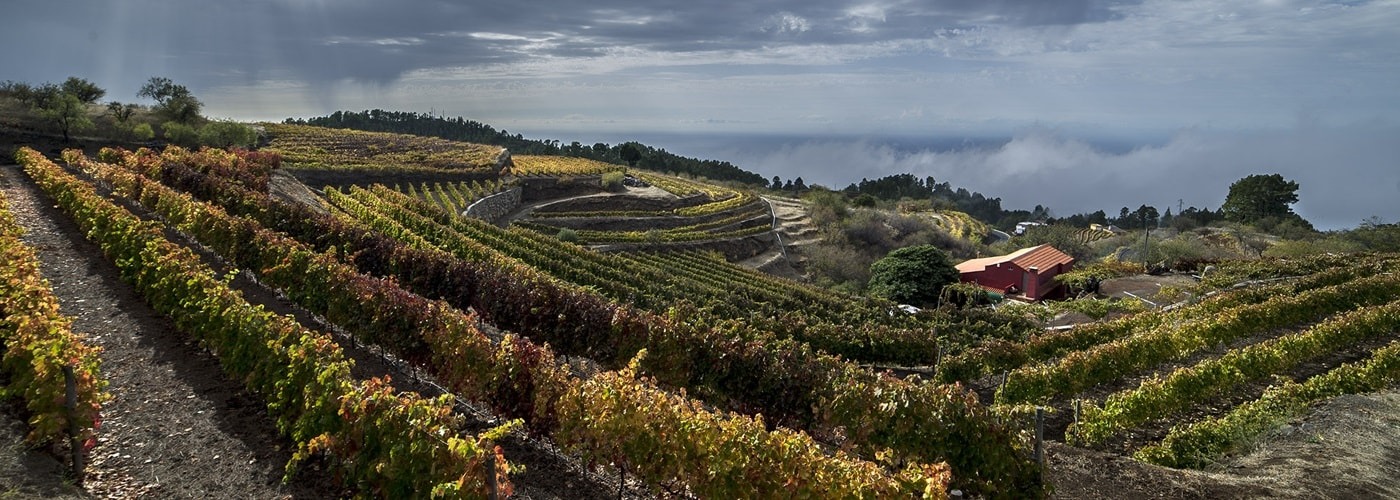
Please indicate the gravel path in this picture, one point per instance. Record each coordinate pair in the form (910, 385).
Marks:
(176, 426)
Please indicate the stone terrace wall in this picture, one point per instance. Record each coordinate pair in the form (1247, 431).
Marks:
(492, 208)
(734, 249)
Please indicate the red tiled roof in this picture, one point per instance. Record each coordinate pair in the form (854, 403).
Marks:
(1039, 257)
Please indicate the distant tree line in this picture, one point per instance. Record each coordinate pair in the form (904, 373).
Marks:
(943, 194)
(460, 129)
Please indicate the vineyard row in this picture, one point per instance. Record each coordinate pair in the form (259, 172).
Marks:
(1110, 361)
(740, 368)
(39, 344)
(380, 442)
(673, 440)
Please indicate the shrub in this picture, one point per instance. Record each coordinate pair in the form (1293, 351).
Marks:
(826, 207)
(868, 228)
(840, 264)
(179, 134)
(1086, 277)
(142, 132)
(1304, 248)
(226, 134)
(568, 235)
(612, 181)
(1183, 253)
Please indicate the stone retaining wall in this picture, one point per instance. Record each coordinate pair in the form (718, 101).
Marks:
(492, 208)
(734, 249)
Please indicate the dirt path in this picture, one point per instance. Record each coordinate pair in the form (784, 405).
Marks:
(176, 426)
(29, 473)
(794, 229)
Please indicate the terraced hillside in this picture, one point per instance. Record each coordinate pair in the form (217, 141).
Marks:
(665, 366)
(302, 146)
(550, 399)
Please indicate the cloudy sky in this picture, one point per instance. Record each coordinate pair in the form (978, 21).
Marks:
(1192, 94)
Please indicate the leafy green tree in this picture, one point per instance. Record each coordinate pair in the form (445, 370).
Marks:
(15, 90)
(67, 112)
(121, 112)
(86, 92)
(1260, 196)
(1375, 235)
(35, 97)
(630, 153)
(912, 275)
(161, 89)
(43, 96)
(1145, 217)
(1063, 237)
(173, 101)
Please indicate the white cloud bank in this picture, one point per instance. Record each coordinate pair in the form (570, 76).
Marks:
(1345, 173)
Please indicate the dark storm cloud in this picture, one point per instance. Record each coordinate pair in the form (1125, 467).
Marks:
(210, 43)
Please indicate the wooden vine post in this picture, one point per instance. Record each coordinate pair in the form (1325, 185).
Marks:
(492, 490)
(70, 382)
(1040, 435)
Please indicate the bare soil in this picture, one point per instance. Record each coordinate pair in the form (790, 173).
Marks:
(27, 472)
(1144, 286)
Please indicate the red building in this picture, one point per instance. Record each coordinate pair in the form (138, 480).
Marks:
(1029, 271)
